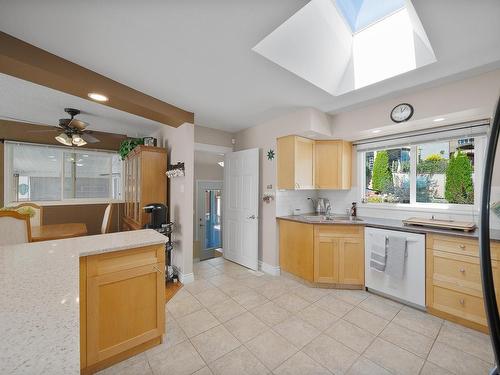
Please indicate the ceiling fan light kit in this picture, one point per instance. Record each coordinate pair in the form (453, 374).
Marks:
(74, 131)
(64, 139)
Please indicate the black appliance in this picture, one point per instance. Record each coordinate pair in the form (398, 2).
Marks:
(490, 302)
(158, 215)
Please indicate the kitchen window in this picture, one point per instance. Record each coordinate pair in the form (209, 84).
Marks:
(42, 173)
(432, 170)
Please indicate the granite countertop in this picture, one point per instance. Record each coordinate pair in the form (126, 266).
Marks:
(375, 222)
(39, 300)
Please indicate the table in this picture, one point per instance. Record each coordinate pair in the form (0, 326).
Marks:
(57, 231)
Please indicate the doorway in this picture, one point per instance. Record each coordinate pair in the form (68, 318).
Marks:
(209, 218)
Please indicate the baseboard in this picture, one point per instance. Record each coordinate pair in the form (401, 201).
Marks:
(186, 278)
(196, 260)
(267, 268)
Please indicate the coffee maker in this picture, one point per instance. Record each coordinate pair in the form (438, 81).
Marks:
(158, 215)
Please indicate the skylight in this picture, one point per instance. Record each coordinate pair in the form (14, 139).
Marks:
(344, 45)
(362, 13)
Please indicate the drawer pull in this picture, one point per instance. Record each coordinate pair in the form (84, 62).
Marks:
(462, 270)
(462, 246)
(462, 301)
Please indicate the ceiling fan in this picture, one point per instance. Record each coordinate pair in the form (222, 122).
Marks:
(73, 131)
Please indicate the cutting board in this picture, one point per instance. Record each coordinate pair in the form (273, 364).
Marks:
(442, 224)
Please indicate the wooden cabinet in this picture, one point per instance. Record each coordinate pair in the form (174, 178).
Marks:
(122, 305)
(339, 254)
(453, 279)
(295, 163)
(144, 182)
(332, 160)
(326, 254)
(296, 248)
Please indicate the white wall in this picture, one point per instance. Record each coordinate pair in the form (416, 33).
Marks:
(180, 145)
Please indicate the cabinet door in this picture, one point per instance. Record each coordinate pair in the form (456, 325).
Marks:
(124, 309)
(328, 165)
(326, 260)
(351, 261)
(285, 162)
(304, 163)
(296, 249)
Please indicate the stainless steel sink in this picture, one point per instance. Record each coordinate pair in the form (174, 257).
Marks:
(320, 218)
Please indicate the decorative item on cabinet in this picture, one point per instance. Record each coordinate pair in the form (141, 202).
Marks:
(176, 170)
(150, 141)
(128, 145)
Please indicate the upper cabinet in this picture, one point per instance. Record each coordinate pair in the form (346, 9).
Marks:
(307, 164)
(295, 163)
(332, 167)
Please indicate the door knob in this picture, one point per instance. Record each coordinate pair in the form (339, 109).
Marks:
(251, 217)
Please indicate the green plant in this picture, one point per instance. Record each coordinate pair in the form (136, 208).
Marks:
(432, 166)
(382, 175)
(128, 145)
(434, 157)
(459, 187)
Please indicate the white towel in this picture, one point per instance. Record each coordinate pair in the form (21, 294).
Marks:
(377, 258)
(396, 254)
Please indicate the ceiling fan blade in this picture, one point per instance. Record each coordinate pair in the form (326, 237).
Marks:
(89, 138)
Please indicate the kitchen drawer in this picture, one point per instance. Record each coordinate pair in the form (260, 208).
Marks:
(343, 231)
(101, 264)
(458, 304)
(460, 245)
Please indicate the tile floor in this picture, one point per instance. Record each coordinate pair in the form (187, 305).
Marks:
(234, 321)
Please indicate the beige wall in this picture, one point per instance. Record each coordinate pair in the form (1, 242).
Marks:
(212, 136)
(478, 92)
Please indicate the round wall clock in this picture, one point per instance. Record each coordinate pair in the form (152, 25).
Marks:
(402, 112)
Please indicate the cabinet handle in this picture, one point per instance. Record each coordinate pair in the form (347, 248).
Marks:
(157, 269)
(462, 246)
(462, 270)
(462, 301)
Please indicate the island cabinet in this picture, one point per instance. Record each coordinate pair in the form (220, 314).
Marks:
(122, 305)
(295, 163)
(324, 254)
(453, 279)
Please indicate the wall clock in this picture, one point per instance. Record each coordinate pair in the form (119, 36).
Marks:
(402, 112)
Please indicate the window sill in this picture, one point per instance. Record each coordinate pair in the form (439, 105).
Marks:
(69, 202)
(441, 208)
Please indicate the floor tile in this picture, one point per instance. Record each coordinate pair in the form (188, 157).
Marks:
(211, 297)
(353, 297)
(250, 299)
(383, 307)
(206, 274)
(296, 331)
(239, 361)
(301, 364)
(218, 280)
(135, 365)
(246, 326)
(467, 340)
(173, 336)
(226, 310)
(271, 349)
(393, 358)
(330, 353)
(203, 371)
(456, 361)
(270, 313)
(372, 323)
(254, 282)
(198, 286)
(197, 322)
(273, 289)
(418, 321)
(334, 305)
(350, 335)
(432, 369)
(403, 337)
(214, 343)
(364, 366)
(311, 294)
(182, 359)
(291, 302)
(234, 288)
(318, 317)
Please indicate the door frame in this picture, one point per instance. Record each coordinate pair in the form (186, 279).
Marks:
(207, 185)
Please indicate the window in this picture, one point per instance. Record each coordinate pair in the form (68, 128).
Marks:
(49, 173)
(423, 173)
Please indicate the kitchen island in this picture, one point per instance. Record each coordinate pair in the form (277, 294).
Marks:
(40, 299)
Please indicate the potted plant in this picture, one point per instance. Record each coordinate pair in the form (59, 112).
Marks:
(128, 145)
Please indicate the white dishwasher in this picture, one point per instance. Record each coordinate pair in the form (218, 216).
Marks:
(411, 288)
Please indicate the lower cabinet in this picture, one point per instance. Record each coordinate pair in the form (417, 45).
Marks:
(326, 254)
(122, 305)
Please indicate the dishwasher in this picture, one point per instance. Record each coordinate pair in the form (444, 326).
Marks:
(411, 288)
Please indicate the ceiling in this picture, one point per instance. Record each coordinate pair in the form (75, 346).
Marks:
(197, 54)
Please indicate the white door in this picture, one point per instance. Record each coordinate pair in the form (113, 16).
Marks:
(241, 207)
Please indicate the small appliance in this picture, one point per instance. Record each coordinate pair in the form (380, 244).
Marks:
(158, 215)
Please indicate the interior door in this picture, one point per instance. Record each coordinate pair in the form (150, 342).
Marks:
(241, 207)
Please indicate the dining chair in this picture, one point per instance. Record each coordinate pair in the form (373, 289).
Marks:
(14, 228)
(106, 220)
(38, 218)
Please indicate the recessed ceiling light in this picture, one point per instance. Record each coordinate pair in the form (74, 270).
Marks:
(376, 131)
(98, 97)
(439, 119)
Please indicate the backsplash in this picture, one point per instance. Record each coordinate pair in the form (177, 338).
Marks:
(289, 200)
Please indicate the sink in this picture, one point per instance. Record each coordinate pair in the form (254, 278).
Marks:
(320, 218)
(315, 218)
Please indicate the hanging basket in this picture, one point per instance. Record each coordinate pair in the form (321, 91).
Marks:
(175, 170)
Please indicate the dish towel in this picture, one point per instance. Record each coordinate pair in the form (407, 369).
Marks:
(377, 258)
(396, 254)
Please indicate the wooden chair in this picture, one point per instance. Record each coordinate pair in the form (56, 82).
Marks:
(38, 218)
(106, 220)
(14, 228)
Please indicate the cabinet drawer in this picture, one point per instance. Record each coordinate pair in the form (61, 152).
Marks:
(458, 245)
(459, 304)
(101, 264)
(341, 231)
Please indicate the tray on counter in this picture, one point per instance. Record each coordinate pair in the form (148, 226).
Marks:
(442, 224)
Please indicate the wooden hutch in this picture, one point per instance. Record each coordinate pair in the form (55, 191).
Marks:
(144, 182)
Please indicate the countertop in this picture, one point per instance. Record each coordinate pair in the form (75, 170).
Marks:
(375, 222)
(39, 300)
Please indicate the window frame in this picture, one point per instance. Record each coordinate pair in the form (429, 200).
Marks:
(9, 198)
(480, 142)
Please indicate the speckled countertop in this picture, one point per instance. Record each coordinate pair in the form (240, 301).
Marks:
(392, 224)
(39, 300)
